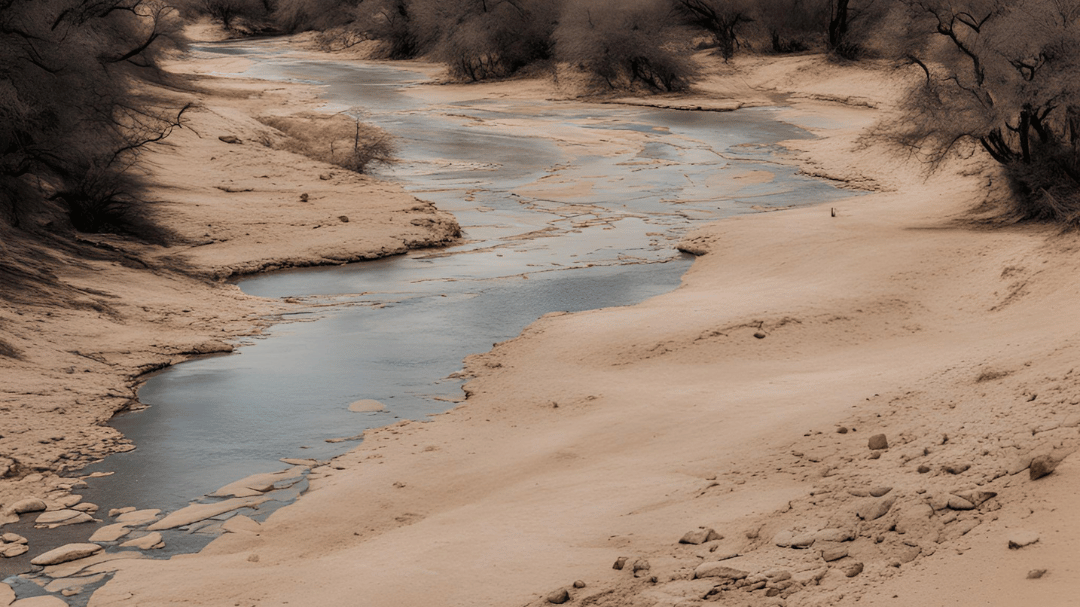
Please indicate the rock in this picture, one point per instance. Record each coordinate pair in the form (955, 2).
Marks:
(1022, 537)
(939, 501)
(760, 335)
(958, 503)
(719, 570)
(1042, 466)
(878, 442)
(68, 501)
(1019, 464)
(65, 553)
(28, 505)
(559, 596)
(977, 498)
(146, 542)
(57, 516)
(804, 540)
(85, 507)
(365, 405)
(783, 539)
(620, 563)
(875, 508)
(579, 584)
(13, 550)
(1034, 574)
(138, 517)
(241, 524)
(835, 535)
(257, 484)
(909, 553)
(110, 533)
(198, 512)
(231, 139)
(880, 491)
(842, 430)
(7, 595)
(343, 218)
(13, 538)
(956, 468)
(40, 601)
(76, 520)
(700, 536)
(124, 510)
(923, 469)
(834, 554)
(853, 569)
(73, 584)
(641, 565)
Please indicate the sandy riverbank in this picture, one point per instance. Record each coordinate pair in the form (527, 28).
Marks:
(612, 433)
(128, 308)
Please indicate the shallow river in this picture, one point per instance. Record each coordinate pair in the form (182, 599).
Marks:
(565, 206)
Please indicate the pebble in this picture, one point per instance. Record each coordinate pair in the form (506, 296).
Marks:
(641, 565)
(880, 491)
(1042, 466)
(716, 569)
(146, 542)
(878, 442)
(579, 584)
(958, 503)
(1022, 537)
(956, 468)
(620, 563)
(1035, 574)
(834, 554)
(853, 569)
(65, 553)
(559, 596)
(700, 536)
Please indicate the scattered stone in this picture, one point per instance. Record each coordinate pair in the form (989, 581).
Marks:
(1034, 574)
(834, 554)
(241, 524)
(343, 218)
(138, 517)
(700, 536)
(146, 542)
(57, 516)
(304, 197)
(579, 584)
(760, 335)
(362, 406)
(716, 569)
(13, 550)
(875, 508)
(958, 503)
(125, 510)
(977, 498)
(7, 595)
(620, 563)
(230, 139)
(874, 455)
(1022, 537)
(923, 469)
(956, 468)
(835, 535)
(878, 442)
(13, 538)
(63, 554)
(559, 596)
(1042, 466)
(28, 505)
(804, 540)
(853, 569)
(841, 430)
(641, 565)
(110, 533)
(85, 507)
(197, 512)
(880, 491)
(68, 501)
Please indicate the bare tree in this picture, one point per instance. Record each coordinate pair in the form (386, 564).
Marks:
(1004, 76)
(721, 18)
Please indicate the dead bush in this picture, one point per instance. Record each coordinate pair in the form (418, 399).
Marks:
(341, 139)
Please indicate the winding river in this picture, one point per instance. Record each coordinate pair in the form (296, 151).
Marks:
(565, 206)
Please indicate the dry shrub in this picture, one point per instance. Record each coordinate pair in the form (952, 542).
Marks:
(339, 139)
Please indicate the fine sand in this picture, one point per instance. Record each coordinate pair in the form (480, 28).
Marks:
(744, 402)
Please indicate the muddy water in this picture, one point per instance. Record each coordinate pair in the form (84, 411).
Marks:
(565, 207)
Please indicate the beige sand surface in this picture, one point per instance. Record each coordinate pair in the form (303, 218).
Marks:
(613, 432)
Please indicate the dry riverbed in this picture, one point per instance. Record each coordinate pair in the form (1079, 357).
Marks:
(839, 405)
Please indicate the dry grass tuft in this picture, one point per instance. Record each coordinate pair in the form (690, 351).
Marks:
(340, 140)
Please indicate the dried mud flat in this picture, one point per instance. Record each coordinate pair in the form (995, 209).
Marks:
(838, 406)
